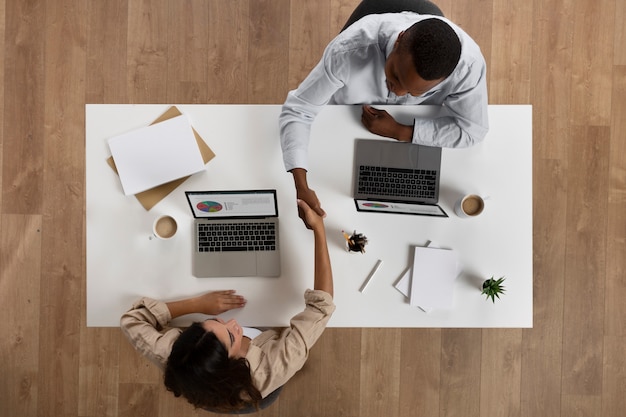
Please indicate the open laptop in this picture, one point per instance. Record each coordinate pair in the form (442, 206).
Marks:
(235, 233)
(397, 177)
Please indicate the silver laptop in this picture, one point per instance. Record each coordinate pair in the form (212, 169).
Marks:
(235, 233)
(397, 177)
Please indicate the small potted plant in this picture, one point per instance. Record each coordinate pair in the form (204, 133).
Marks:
(493, 288)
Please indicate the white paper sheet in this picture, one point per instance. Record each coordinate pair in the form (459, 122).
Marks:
(156, 154)
(404, 284)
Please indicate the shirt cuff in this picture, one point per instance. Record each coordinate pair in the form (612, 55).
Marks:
(295, 158)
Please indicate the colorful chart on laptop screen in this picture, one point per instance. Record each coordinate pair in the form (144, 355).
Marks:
(375, 205)
(209, 206)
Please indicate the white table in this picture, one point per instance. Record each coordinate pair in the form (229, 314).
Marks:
(124, 262)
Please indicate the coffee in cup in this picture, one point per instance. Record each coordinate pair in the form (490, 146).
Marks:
(470, 206)
(165, 227)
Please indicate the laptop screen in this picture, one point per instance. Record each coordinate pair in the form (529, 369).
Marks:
(232, 204)
(399, 208)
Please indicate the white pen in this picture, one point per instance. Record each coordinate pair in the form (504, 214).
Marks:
(369, 278)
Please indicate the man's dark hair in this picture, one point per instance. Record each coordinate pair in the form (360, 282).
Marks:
(200, 370)
(434, 46)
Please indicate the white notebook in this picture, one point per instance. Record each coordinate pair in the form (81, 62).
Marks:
(429, 282)
(156, 154)
(432, 283)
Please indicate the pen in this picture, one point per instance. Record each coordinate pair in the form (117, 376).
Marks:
(367, 281)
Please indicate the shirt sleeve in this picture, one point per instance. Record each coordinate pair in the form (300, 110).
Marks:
(302, 106)
(145, 326)
(275, 356)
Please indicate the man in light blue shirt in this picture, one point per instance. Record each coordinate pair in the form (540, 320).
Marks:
(392, 58)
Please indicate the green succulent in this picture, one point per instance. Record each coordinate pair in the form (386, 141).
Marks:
(493, 288)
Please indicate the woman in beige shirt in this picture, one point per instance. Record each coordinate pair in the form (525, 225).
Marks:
(217, 365)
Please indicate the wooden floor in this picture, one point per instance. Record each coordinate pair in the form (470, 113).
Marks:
(565, 57)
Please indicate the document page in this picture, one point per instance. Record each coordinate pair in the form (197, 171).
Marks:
(434, 273)
(156, 154)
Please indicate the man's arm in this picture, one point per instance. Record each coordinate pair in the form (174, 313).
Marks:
(303, 192)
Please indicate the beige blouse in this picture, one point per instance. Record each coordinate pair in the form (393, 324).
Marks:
(274, 356)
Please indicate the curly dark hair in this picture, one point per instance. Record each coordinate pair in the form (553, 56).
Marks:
(434, 46)
(200, 370)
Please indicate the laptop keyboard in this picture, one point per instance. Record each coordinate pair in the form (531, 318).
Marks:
(397, 182)
(224, 237)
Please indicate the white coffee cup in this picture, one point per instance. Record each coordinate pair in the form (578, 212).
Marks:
(164, 227)
(470, 205)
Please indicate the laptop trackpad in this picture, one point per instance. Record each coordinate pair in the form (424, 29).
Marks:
(227, 264)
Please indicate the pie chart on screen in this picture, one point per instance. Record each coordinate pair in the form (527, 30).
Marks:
(376, 205)
(209, 206)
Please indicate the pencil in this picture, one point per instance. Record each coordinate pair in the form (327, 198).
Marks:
(369, 278)
(345, 236)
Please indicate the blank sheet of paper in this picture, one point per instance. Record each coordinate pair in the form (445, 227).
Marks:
(434, 272)
(156, 154)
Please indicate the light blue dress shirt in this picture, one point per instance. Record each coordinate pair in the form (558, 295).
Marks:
(351, 71)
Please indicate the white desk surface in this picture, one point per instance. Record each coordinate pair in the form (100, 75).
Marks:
(124, 262)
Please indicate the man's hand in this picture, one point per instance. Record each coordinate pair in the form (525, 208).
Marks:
(311, 218)
(382, 123)
(303, 192)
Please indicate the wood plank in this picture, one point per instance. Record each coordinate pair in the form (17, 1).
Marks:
(147, 55)
(106, 52)
(476, 18)
(308, 37)
(551, 78)
(340, 11)
(542, 345)
(585, 271)
(169, 405)
(98, 372)
(459, 393)
(301, 394)
(138, 400)
(64, 120)
(134, 368)
(380, 372)
(615, 314)
(340, 372)
(63, 199)
(23, 133)
(614, 367)
(268, 52)
(20, 271)
(229, 29)
(61, 292)
(2, 52)
(619, 52)
(592, 63)
(187, 50)
(501, 372)
(512, 32)
(420, 372)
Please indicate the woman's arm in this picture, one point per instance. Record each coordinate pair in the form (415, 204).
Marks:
(212, 303)
(323, 272)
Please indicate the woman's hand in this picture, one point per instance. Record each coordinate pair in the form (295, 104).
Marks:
(311, 218)
(218, 302)
(212, 303)
(303, 192)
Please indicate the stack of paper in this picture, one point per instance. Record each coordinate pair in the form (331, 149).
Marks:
(429, 282)
(157, 154)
